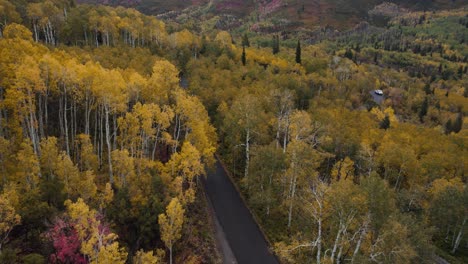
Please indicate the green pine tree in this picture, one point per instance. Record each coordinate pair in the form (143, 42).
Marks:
(244, 59)
(458, 124)
(298, 52)
(423, 110)
(245, 40)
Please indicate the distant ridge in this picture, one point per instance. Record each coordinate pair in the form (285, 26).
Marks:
(309, 13)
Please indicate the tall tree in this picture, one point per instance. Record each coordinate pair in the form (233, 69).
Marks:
(244, 59)
(245, 40)
(298, 52)
(275, 44)
(171, 224)
(8, 219)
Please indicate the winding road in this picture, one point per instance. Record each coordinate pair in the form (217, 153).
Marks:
(238, 227)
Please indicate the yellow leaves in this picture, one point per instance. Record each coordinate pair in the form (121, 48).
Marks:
(8, 13)
(8, 217)
(136, 83)
(182, 39)
(67, 172)
(343, 170)
(85, 187)
(224, 38)
(110, 253)
(377, 113)
(301, 125)
(184, 167)
(163, 80)
(200, 133)
(187, 163)
(142, 257)
(50, 153)
(124, 167)
(387, 112)
(16, 31)
(106, 196)
(28, 76)
(88, 160)
(171, 223)
(98, 244)
(109, 86)
(28, 172)
(82, 216)
(440, 185)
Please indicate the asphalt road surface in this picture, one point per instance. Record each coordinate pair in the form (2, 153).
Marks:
(242, 233)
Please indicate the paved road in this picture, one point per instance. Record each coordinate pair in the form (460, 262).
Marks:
(244, 237)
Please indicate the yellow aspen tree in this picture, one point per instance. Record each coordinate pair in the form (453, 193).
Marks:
(162, 117)
(106, 196)
(112, 96)
(50, 155)
(87, 160)
(67, 172)
(27, 84)
(99, 245)
(129, 128)
(5, 160)
(142, 257)
(193, 125)
(170, 224)
(343, 170)
(29, 172)
(187, 163)
(124, 167)
(163, 79)
(8, 219)
(16, 31)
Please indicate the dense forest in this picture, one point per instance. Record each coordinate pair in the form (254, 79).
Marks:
(108, 119)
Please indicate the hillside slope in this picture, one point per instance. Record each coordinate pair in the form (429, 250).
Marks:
(308, 13)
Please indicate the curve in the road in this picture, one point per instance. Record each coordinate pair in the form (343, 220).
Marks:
(243, 234)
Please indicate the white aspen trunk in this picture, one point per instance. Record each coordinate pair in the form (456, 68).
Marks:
(109, 147)
(85, 32)
(340, 252)
(36, 34)
(270, 181)
(155, 142)
(62, 130)
(293, 194)
(286, 135)
(114, 133)
(247, 156)
(87, 113)
(459, 236)
(335, 245)
(41, 117)
(170, 255)
(278, 132)
(319, 237)
(32, 129)
(358, 245)
(46, 36)
(51, 32)
(46, 110)
(73, 124)
(65, 121)
(101, 131)
(95, 137)
(96, 37)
